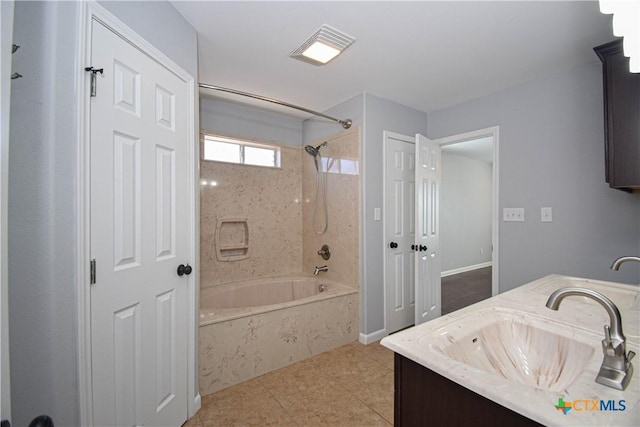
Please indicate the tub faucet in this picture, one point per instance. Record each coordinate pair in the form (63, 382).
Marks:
(616, 368)
(319, 269)
(616, 264)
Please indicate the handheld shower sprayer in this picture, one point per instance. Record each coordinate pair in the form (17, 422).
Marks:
(321, 186)
(314, 151)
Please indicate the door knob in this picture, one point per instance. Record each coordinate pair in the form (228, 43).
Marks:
(184, 270)
(393, 245)
(422, 248)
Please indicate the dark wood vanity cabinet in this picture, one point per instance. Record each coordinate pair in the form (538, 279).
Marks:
(425, 398)
(621, 118)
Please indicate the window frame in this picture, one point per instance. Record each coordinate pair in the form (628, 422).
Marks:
(242, 143)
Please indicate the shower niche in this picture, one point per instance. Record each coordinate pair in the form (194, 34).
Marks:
(232, 239)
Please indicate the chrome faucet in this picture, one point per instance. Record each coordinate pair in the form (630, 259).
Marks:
(616, 368)
(616, 264)
(319, 269)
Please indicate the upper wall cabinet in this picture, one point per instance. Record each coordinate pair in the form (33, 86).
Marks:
(621, 118)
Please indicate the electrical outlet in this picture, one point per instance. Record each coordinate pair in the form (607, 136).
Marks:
(513, 214)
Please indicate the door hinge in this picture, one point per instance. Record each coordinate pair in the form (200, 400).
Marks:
(92, 273)
(93, 72)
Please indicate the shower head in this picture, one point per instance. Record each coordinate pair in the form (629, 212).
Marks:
(314, 151)
(311, 150)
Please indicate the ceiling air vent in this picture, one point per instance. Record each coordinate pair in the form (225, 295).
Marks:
(323, 46)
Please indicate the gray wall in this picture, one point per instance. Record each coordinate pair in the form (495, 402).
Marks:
(551, 154)
(159, 23)
(316, 128)
(41, 215)
(465, 211)
(234, 119)
(42, 204)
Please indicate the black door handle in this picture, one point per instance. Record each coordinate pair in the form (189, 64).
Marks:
(422, 248)
(184, 270)
(393, 245)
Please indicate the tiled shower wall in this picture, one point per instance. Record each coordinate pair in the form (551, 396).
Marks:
(342, 158)
(278, 204)
(270, 199)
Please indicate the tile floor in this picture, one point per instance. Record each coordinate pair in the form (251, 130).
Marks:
(351, 385)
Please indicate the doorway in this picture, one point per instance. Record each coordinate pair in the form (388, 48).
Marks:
(470, 217)
(136, 224)
(465, 227)
(454, 258)
(412, 171)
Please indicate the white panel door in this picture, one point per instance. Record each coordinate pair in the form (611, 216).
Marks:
(427, 269)
(399, 232)
(139, 236)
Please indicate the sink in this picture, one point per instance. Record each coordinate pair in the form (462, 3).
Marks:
(518, 346)
(621, 297)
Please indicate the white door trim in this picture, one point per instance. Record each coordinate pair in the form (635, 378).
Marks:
(6, 35)
(89, 11)
(493, 132)
(386, 135)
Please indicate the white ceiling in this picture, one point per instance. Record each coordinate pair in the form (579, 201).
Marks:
(426, 55)
(477, 149)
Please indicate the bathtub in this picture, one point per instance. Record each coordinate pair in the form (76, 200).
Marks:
(238, 299)
(253, 327)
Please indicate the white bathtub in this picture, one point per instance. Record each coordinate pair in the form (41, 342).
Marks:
(253, 327)
(239, 299)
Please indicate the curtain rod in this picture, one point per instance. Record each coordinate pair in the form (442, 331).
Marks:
(345, 123)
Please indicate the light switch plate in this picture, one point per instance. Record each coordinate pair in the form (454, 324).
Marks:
(546, 214)
(376, 214)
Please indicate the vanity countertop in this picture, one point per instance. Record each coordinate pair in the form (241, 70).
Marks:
(579, 314)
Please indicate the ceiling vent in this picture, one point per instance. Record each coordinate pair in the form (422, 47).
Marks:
(323, 46)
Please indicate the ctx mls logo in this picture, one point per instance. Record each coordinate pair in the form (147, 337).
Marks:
(586, 405)
(563, 406)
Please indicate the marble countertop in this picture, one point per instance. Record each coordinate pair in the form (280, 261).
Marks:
(578, 317)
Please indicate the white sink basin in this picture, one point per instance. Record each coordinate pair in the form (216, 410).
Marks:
(517, 346)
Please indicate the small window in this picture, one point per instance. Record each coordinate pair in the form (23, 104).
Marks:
(231, 150)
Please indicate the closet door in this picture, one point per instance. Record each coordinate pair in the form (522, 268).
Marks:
(400, 231)
(427, 255)
(139, 237)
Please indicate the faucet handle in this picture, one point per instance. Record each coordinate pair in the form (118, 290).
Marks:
(610, 347)
(630, 355)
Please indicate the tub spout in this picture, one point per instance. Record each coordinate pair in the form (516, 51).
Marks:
(319, 269)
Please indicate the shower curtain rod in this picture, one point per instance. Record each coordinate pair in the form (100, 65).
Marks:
(345, 123)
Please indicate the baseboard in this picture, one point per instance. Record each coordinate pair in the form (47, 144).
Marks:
(197, 404)
(465, 269)
(367, 339)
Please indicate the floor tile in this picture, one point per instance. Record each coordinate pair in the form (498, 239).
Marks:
(378, 395)
(193, 422)
(345, 412)
(350, 386)
(379, 353)
(257, 411)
